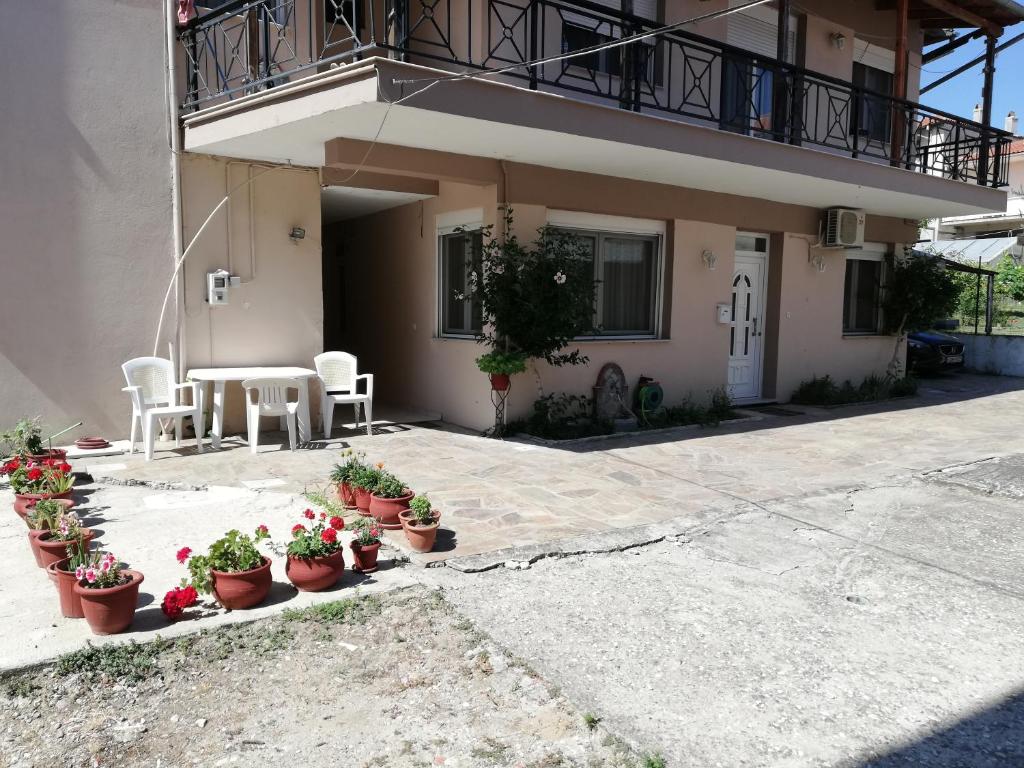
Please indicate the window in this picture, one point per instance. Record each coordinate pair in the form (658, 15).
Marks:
(627, 268)
(875, 119)
(862, 295)
(461, 312)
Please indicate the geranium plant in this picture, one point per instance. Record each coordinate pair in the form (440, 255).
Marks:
(501, 363)
(47, 477)
(235, 552)
(99, 570)
(319, 539)
(177, 600)
(367, 531)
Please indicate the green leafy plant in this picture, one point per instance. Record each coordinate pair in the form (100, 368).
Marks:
(561, 417)
(45, 515)
(365, 477)
(389, 487)
(125, 661)
(497, 363)
(352, 464)
(686, 413)
(319, 539)
(23, 439)
(235, 552)
(825, 392)
(536, 298)
(918, 291)
(422, 513)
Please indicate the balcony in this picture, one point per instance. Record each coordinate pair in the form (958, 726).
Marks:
(248, 48)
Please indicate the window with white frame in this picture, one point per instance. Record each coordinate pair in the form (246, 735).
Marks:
(862, 291)
(459, 251)
(628, 267)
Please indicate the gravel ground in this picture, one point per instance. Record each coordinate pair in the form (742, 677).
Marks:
(393, 680)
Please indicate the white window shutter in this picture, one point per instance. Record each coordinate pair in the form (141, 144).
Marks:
(756, 30)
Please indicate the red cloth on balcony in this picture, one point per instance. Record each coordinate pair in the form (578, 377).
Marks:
(186, 11)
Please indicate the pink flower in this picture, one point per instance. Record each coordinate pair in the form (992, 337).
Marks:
(105, 566)
(80, 572)
(90, 575)
(183, 554)
(262, 529)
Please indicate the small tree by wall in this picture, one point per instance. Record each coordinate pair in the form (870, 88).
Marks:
(536, 297)
(918, 291)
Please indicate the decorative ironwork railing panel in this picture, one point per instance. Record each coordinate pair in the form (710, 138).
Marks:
(248, 46)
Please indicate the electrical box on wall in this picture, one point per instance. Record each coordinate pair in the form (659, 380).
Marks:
(724, 312)
(217, 284)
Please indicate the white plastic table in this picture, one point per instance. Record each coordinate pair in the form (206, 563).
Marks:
(220, 376)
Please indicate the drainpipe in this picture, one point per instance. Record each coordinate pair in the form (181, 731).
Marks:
(174, 134)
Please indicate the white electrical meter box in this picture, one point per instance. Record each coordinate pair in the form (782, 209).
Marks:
(724, 313)
(217, 283)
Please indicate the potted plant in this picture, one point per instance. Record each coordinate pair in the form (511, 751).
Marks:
(32, 481)
(233, 569)
(365, 545)
(499, 366)
(65, 574)
(25, 440)
(342, 475)
(362, 480)
(390, 497)
(315, 558)
(108, 591)
(420, 522)
(62, 540)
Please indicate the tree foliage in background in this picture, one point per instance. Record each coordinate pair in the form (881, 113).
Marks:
(1010, 278)
(536, 297)
(918, 291)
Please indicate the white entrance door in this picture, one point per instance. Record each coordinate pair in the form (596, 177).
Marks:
(746, 324)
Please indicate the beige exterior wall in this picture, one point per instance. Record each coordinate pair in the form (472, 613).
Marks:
(275, 317)
(85, 207)
(391, 267)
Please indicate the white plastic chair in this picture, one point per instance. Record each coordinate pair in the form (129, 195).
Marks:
(339, 386)
(271, 400)
(155, 396)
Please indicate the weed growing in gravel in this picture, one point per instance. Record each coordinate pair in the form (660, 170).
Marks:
(260, 639)
(129, 661)
(492, 750)
(325, 502)
(20, 686)
(591, 720)
(354, 610)
(654, 761)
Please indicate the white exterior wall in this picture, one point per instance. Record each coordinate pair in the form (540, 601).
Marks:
(85, 206)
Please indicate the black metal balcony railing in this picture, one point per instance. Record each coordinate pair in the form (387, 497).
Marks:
(247, 46)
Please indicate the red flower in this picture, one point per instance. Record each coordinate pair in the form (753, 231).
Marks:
(177, 600)
(35, 473)
(309, 514)
(183, 554)
(337, 523)
(323, 515)
(297, 529)
(329, 535)
(49, 462)
(262, 529)
(65, 468)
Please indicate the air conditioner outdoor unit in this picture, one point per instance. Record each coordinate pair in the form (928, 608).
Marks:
(844, 228)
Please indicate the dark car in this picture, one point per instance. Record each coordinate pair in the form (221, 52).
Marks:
(931, 351)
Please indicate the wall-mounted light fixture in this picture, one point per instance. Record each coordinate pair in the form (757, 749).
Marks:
(709, 258)
(297, 233)
(817, 259)
(838, 40)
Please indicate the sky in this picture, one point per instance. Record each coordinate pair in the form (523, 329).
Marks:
(961, 93)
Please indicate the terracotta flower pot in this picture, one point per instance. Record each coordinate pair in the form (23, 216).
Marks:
(110, 610)
(64, 581)
(243, 589)
(364, 558)
(346, 495)
(420, 537)
(361, 497)
(33, 543)
(500, 381)
(55, 550)
(67, 503)
(313, 574)
(388, 510)
(57, 454)
(22, 500)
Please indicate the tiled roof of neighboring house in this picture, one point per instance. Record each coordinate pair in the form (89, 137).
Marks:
(1017, 146)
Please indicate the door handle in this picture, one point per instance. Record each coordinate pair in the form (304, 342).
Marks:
(755, 326)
